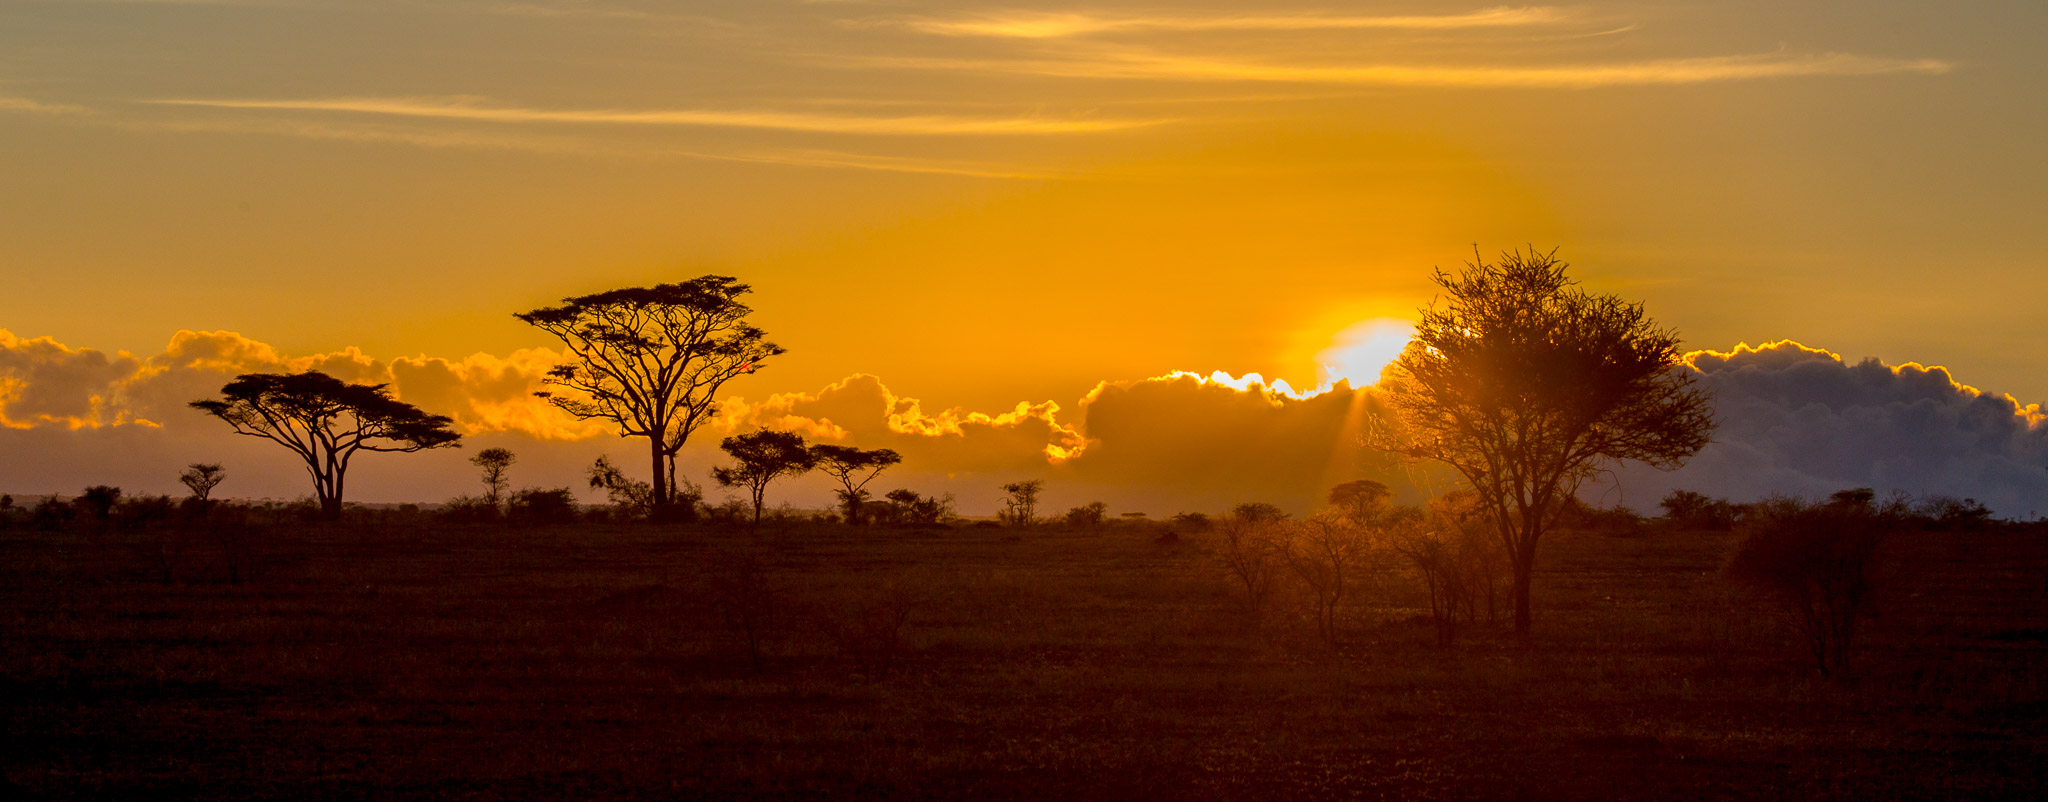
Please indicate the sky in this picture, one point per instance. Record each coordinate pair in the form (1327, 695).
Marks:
(1026, 212)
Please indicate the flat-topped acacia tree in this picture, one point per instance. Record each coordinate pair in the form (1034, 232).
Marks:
(651, 360)
(853, 468)
(326, 421)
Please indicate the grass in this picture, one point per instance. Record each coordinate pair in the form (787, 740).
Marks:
(406, 658)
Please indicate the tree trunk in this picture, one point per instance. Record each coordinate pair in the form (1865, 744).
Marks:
(659, 483)
(1521, 601)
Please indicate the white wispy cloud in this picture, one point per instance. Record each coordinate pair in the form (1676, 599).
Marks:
(1040, 25)
(1142, 64)
(464, 109)
(22, 105)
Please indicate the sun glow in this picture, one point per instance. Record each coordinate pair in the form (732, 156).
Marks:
(1360, 352)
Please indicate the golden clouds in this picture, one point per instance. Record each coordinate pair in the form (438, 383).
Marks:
(861, 410)
(1046, 25)
(1141, 63)
(43, 382)
(471, 110)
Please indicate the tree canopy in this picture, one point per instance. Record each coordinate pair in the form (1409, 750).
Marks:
(762, 457)
(326, 422)
(1527, 385)
(853, 468)
(652, 359)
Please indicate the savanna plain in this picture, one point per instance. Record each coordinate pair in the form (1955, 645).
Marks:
(397, 654)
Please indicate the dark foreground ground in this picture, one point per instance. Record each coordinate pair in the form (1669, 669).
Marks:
(418, 660)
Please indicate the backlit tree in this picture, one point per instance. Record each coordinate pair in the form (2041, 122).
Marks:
(1527, 385)
(652, 359)
(326, 422)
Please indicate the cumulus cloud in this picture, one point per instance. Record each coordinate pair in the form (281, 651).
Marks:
(1802, 420)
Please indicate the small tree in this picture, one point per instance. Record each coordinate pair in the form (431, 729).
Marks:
(762, 457)
(853, 468)
(1824, 565)
(201, 478)
(494, 461)
(98, 502)
(651, 360)
(1527, 386)
(1361, 499)
(1248, 548)
(326, 422)
(1330, 554)
(1021, 508)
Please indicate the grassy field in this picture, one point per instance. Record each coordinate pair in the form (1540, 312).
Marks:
(402, 658)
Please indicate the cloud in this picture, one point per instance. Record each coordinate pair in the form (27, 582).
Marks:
(22, 105)
(1801, 420)
(45, 383)
(1793, 419)
(470, 110)
(860, 410)
(1036, 25)
(1143, 64)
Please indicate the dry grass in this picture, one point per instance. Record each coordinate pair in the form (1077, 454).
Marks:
(417, 660)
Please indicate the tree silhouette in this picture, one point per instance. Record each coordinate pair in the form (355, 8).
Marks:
(1527, 385)
(1021, 508)
(652, 359)
(201, 478)
(494, 462)
(762, 457)
(854, 468)
(1360, 499)
(326, 422)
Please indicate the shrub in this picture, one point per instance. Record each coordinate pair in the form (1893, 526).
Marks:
(1194, 521)
(470, 509)
(1462, 564)
(1949, 512)
(1090, 514)
(1248, 550)
(538, 506)
(1690, 510)
(1330, 555)
(1258, 511)
(97, 503)
(51, 515)
(1824, 565)
(906, 506)
(867, 622)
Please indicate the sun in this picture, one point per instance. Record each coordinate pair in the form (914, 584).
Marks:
(1360, 352)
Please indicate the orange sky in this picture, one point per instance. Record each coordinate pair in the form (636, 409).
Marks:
(988, 204)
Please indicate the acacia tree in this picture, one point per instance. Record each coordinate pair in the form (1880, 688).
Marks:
(494, 462)
(201, 478)
(1527, 385)
(762, 457)
(1021, 508)
(326, 422)
(651, 360)
(854, 468)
